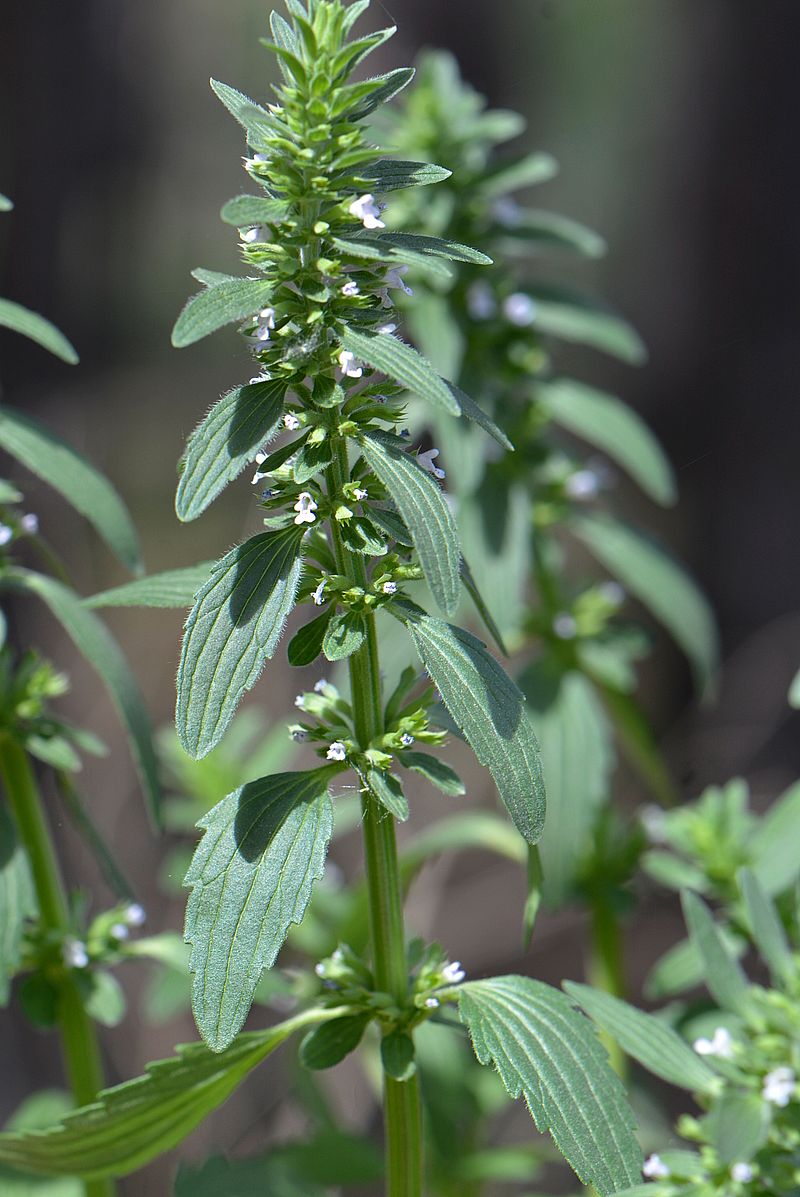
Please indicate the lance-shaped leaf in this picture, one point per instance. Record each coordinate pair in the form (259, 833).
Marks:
(546, 1051)
(371, 249)
(726, 982)
(577, 757)
(380, 90)
(16, 902)
(402, 364)
(649, 573)
(766, 927)
(575, 317)
(52, 460)
(774, 856)
(490, 711)
(471, 587)
(241, 423)
(36, 328)
(133, 1123)
(645, 1038)
(236, 622)
(470, 409)
(251, 877)
(254, 119)
(245, 210)
(391, 174)
(424, 511)
(96, 644)
(515, 173)
(610, 425)
(551, 230)
(440, 247)
(220, 303)
(437, 772)
(173, 588)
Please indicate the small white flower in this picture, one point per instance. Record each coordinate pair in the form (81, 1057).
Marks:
(613, 593)
(305, 508)
(367, 211)
(291, 421)
(427, 459)
(432, 1003)
(583, 485)
(254, 235)
(300, 702)
(319, 592)
(120, 931)
(350, 365)
(654, 1168)
(481, 303)
(386, 329)
(256, 160)
(779, 1086)
(74, 954)
(319, 687)
(263, 377)
(389, 588)
(135, 915)
(721, 1044)
(564, 626)
(351, 289)
(453, 973)
(319, 969)
(520, 309)
(29, 524)
(266, 323)
(6, 533)
(359, 494)
(406, 739)
(394, 280)
(337, 751)
(260, 458)
(654, 822)
(743, 1173)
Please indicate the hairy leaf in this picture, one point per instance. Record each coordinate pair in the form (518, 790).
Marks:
(254, 119)
(245, 210)
(391, 174)
(36, 328)
(236, 622)
(610, 425)
(52, 460)
(306, 644)
(645, 1038)
(471, 587)
(388, 790)
(344, 635)
(470, 409)
(385, 88)
(402, 364)
(251, 877)
(173, 588)
(425, 513)
(662, 585)
(550, 1054)
(133, 1123)
(241, 423)
(441, 247)
(490, 711)
(222, 303)
(17, 902)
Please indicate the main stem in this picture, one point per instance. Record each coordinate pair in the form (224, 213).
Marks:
(401, 1109)
(78, 1040)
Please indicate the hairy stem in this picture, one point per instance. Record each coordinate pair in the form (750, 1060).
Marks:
(402, 1113)
(78, 1039)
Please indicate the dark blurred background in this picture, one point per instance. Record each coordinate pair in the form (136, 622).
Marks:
(675, 125)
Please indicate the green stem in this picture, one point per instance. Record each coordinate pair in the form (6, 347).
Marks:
(79, 1042)
(401, 1108)
(606, 968)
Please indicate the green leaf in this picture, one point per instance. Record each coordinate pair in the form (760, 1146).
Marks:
(5, 203)
(646, 570)
(228, 302)
(470, 409)
(575, 317)
(551, 230)
(244, 210)
(388, 790)
(52, 460)
(306, 644)
(211, 278)
(766, 927)
(173, 588)
(244, 1178)
(371, 249)
(647, 1039)
(577, 759)
(251, 877)
(738, 1125)
(471, 587)
(103, 997)
(674, 873)
(241, 423)
(385, 88)
(610, 425)
(516, 173)
(39, 1110)
(550, 1054)
(36, 328)
(96, 644)
(17, 902)
(471, 829)
(329, 1044)
(441, 247)
(726, 982)
(391, 174)
(402, 364)
(774, 856)
(346, 632)
(490, 711)
(254, 119)
(236, 622)
(435, 771)
(133, 1123)
(397, 1055)
(424, 511)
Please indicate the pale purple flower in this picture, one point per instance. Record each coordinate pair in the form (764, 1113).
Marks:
(367, 211)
